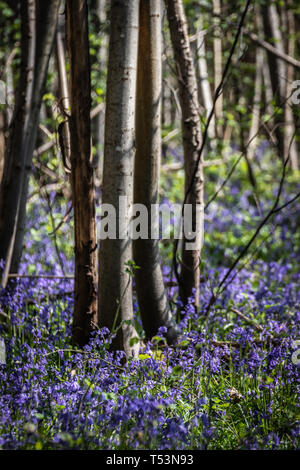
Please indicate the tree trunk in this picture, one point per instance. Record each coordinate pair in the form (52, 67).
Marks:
(191, 133)
(217, 49)
(14, 165)
(64, 98)
(115, 283)
(203, 78)
(257, 98)
(290, 144)
(2, 142)
(98, 122)
(150, 289)
(277, 70)
(85, 295)
(46, 20)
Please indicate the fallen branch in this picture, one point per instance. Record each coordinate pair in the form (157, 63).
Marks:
(246, 319)
(39, 276)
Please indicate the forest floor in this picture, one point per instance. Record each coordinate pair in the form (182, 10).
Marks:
(231, 383)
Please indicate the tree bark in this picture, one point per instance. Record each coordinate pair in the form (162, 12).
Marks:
(63, 86)
(277, 69)
(290, 144)
(2, 142)
(15, 159)
(46, 20)
(153, 303)
(85, 295)
(203, 78)
(217, 49)
(115, 283)
(257, 98)
(191, 133)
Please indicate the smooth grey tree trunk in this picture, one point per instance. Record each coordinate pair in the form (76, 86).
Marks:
(218, 69)
(63, 86)
(257, 98)
(98, 122)
(115, 283)
(203, 78)
(153, 303)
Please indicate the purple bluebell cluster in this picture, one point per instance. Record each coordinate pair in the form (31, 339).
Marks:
(170, 398)
(232, 382)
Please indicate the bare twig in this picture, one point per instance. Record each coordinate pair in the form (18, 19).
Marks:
(255, 234)
(246, 319)
(273, 50)
(48, 145)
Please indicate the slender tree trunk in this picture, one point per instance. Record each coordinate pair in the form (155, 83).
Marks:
(166, 103)
(257, 98)
(85, 307)
(217, 48)
(46, 20)
(98, 122)
(14, 165)
(268, 89)
(115, 283)
(277, 69)
(61, 66)
(290, 144)
(2, 142)
(203, 78)
(64, 98)
(191, 132)
(150, 289)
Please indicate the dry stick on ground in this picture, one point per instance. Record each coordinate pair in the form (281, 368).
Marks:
(205, 134)
(246, 319)
(40, 276)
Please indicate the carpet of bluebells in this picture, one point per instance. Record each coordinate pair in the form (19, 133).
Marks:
(230, 383)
